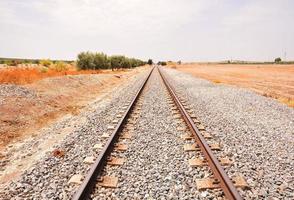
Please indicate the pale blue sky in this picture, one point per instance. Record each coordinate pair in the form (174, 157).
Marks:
(186, 30)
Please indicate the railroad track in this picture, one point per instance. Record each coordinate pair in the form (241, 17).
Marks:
(218, 180)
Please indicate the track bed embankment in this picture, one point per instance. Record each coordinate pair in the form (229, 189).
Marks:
(257, 132)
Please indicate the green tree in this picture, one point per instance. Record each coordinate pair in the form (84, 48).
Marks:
(277, 60)
(85, 61)
(101, 61)
(116, 61)
(163, 63)
(150, 62)
(88, 60)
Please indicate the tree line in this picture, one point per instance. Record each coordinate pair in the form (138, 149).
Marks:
(90, 60)
(16, 61)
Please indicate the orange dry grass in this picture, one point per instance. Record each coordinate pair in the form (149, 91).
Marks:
(25, 76)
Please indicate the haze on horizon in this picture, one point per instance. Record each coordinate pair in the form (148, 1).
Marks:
(186, 30)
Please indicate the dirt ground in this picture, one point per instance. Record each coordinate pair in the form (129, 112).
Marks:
(27, 108)
(276, 81)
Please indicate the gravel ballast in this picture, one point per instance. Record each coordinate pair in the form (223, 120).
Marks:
(156, 165)
(48, 178)
(255, 131)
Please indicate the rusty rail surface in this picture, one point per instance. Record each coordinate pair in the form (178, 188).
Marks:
(90, 180)
(225, 182)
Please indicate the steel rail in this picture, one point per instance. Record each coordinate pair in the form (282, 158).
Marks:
(91, 178)
(225, 182)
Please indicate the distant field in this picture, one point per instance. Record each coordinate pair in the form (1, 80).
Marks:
(271, 80)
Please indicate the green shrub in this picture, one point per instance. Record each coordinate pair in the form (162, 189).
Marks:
(60, 66)
(101, 61)
(44, 70)
(163, 63)
(277, 60)
(85, 61)
(149, 62)
(116, 61)
(8, 62)
(46, 62)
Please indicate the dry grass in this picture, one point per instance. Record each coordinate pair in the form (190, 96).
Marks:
(216, 81)
(27, 76)
(271, 80)
(289, 102)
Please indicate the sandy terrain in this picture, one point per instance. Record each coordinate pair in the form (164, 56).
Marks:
(275, 81)
(27, 108)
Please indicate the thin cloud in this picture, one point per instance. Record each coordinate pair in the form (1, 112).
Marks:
(160, 29)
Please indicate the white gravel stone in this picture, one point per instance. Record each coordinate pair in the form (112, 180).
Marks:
(257, 132)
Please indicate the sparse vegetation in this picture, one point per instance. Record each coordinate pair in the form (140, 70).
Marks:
(26, 76)
(216, 81)
(150, 62)
(46, 62)
(278, 60)
(44, 69)
(242, 62)
(163, 63)
(15, 61)
(60, 66)
(88, 63)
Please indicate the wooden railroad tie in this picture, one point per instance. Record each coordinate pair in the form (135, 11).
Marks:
(201, 127)
(206, 135)
(89, 160)
(190, 111)
(225, 161)
(115, 121)
(175, 112)
(105, 135)
(212, 183)
(177, 116)
(240, 182)
(110, 127)
(115, 161)
(76, 179)
(174, 108)
(126, 136)
(191, 147)
(98, 146)
(108, 181)
(197, 162)
(181, 128)
(215, 146)
(187, 136)
(207, 183)
(119, 115)
(121, 147)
